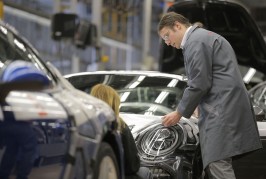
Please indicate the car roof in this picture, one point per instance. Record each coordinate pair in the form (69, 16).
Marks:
(128, 72)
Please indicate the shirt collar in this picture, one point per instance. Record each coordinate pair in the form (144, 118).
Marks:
(185, 38)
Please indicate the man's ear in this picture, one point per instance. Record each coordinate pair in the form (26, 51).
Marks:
(177, 25)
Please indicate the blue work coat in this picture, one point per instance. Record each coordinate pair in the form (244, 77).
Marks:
(227, 123)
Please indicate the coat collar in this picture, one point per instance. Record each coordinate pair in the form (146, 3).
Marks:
(188, 35)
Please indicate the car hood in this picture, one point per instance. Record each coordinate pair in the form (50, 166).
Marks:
(139, 123)
(229, 19)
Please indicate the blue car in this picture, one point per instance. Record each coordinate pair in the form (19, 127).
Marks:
(48, 129)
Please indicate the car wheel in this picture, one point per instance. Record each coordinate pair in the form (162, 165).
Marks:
(106, 165)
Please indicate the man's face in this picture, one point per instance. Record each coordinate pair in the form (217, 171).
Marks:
(172, 36)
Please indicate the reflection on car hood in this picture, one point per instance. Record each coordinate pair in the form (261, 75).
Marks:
(139, 122)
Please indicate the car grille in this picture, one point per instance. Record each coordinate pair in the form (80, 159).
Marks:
(169, 170)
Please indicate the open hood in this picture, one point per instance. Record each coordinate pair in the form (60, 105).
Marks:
(229, 19)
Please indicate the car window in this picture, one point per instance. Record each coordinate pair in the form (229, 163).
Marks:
(12, 47)
(167, 97)
(151, 92)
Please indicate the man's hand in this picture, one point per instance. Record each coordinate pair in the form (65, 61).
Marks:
(171, 118)
(196, 113)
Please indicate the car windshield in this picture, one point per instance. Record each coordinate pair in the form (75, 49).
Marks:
(140, 94)
(12, 47)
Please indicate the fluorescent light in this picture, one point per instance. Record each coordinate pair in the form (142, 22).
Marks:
(249, 75)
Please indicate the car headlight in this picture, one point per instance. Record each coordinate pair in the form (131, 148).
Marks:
(158, 141)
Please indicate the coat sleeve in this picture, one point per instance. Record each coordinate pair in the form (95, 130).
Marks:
(132, 160)
(198, 62)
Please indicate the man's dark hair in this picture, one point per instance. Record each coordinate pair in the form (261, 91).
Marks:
(169, 19)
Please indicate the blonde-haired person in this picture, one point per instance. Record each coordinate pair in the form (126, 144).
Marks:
(132, 161)
(111, 97)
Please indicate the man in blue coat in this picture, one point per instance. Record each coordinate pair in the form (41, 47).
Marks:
(227, 123)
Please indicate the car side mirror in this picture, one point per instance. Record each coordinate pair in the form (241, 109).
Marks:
(21, 76)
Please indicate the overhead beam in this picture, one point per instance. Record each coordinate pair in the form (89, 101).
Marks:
(46, 21)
